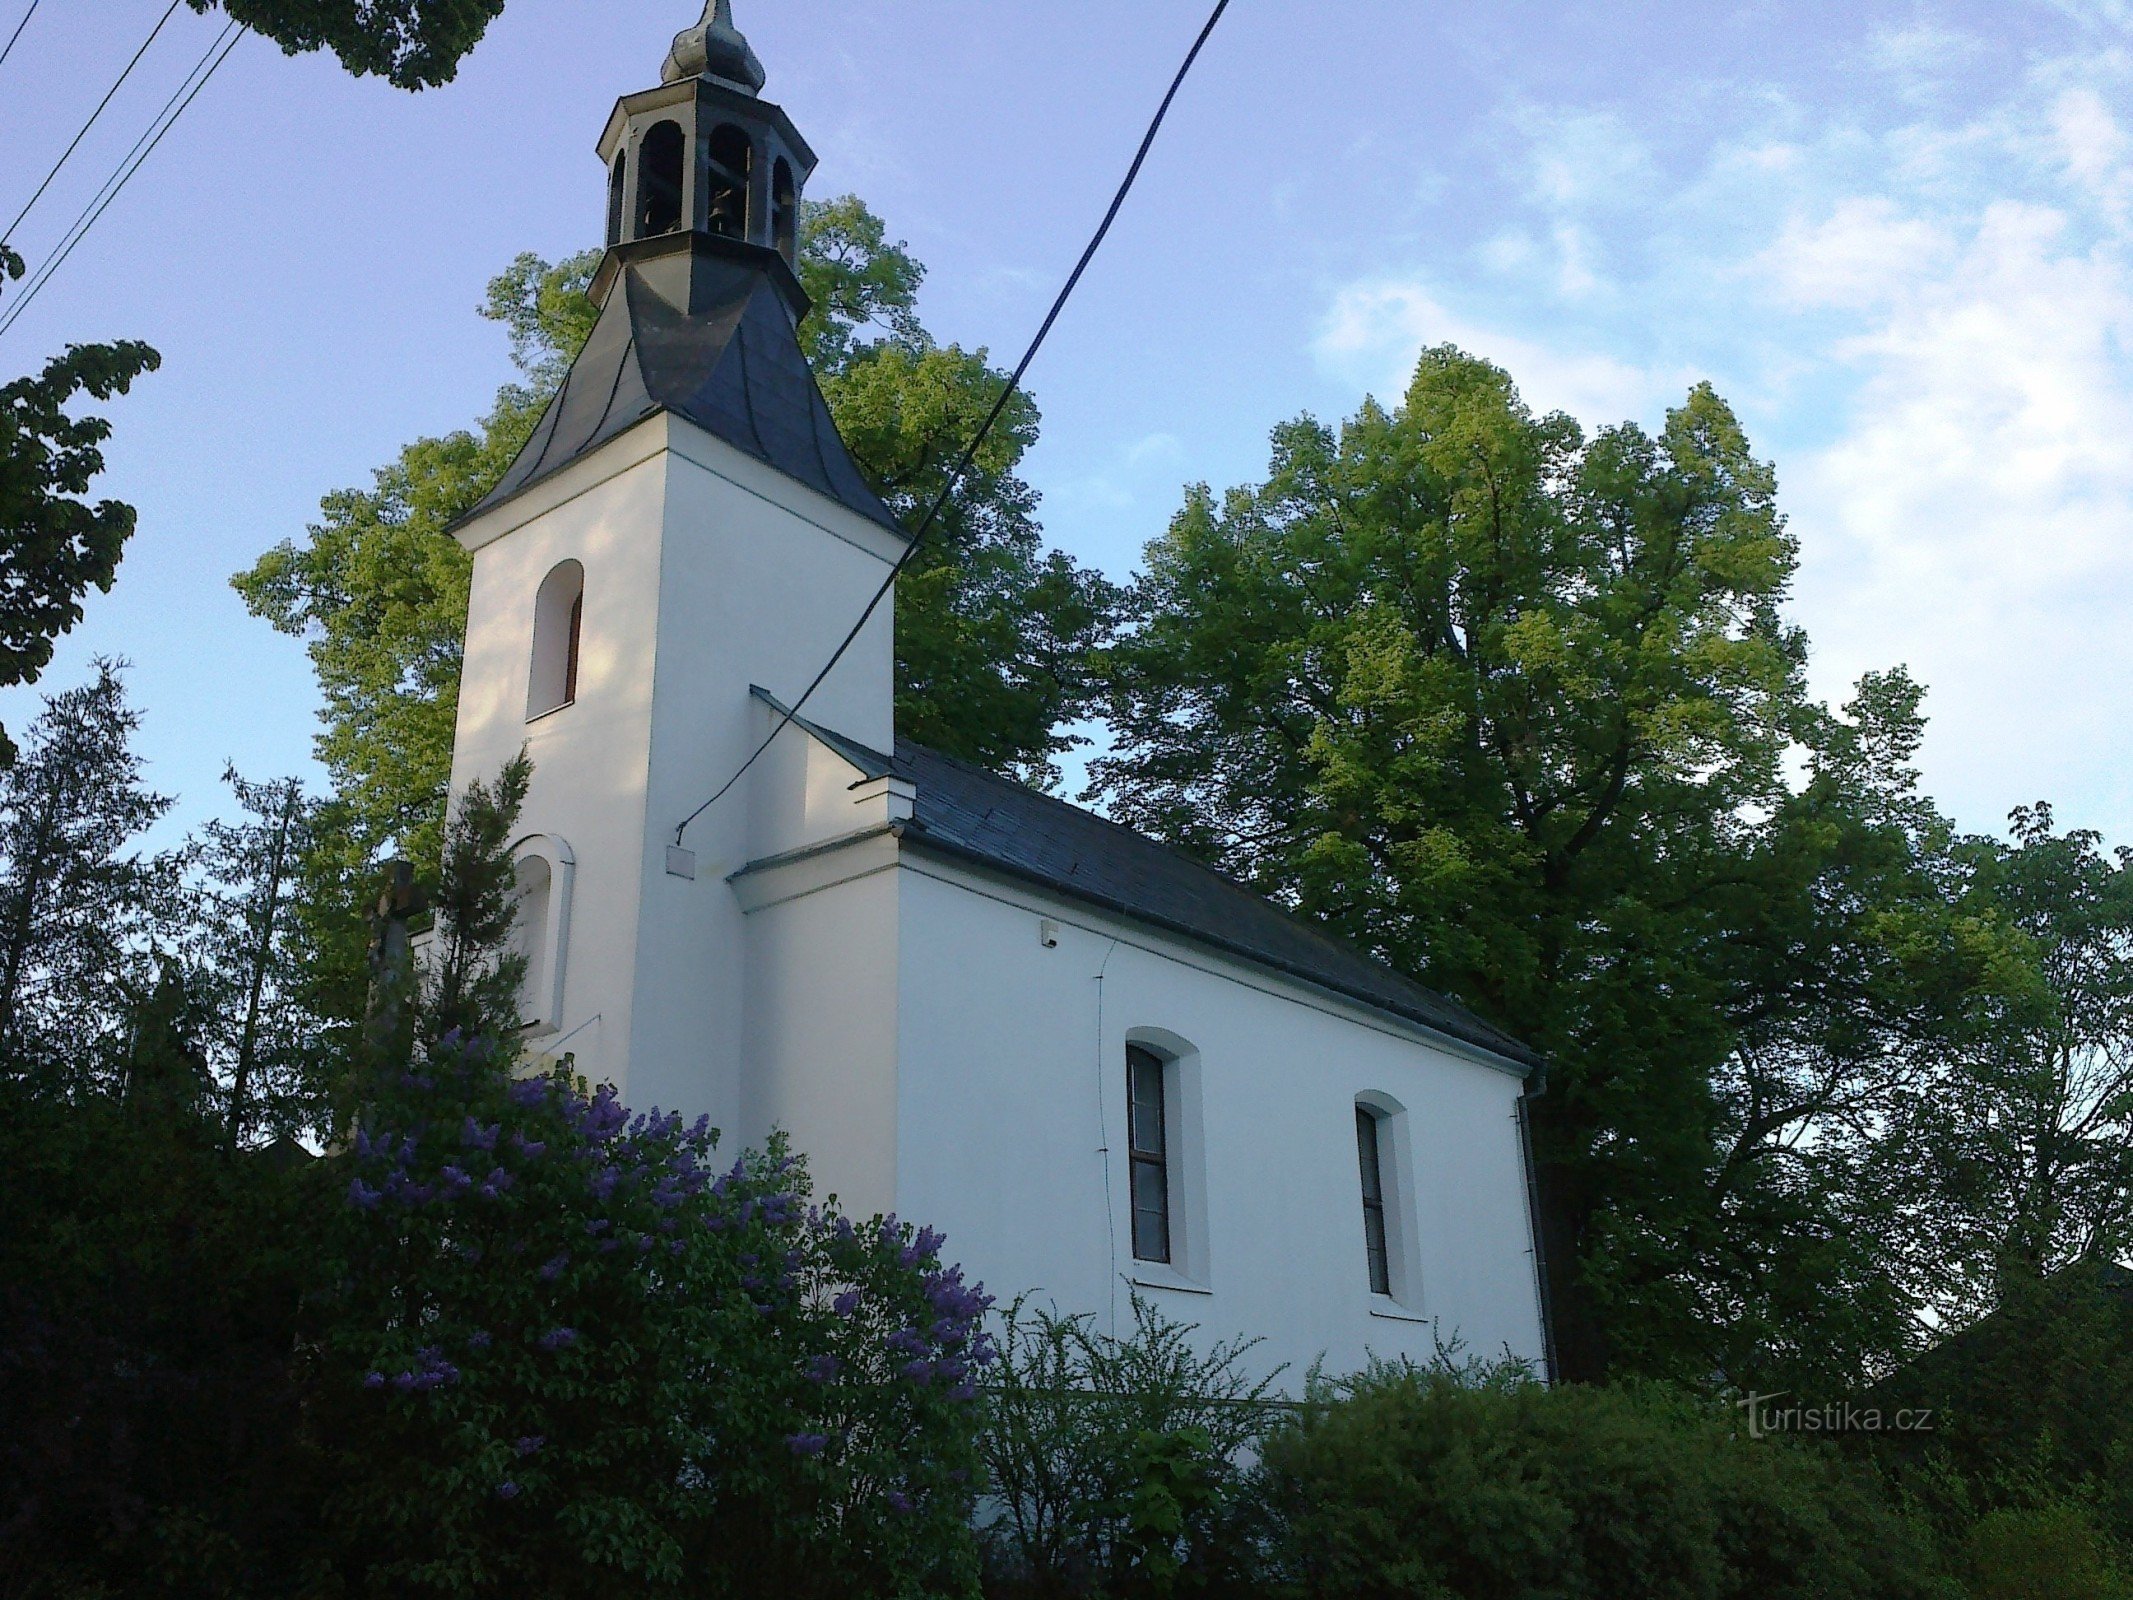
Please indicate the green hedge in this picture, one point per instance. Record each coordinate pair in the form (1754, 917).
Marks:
(1417, 1484)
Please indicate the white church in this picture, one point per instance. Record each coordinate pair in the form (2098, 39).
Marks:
(1099, 1067)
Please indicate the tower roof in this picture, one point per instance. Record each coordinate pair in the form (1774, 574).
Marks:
(702, 327)
(714, 48)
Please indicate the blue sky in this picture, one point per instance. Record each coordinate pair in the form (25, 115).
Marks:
(1895, 236)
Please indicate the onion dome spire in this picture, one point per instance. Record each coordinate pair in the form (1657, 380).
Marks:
(714, 48)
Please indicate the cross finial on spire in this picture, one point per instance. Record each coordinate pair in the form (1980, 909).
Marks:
(714, 48)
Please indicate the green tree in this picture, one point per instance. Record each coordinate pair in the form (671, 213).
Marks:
(412, 44)
(2008, 1154)
(1514, 709)
(247, 956)
(54, 545)
(80, 909)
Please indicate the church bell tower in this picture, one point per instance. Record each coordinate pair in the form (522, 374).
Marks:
(682, 540)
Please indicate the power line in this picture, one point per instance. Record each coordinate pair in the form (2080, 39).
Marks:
(135, 159)
(1014, 383)
(86, 126)
(9, 48)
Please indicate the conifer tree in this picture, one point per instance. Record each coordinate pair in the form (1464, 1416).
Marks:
(78, 907)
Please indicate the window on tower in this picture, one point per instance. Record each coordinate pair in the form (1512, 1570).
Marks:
(784, 211)
(558, 621)
(731, 159)
(614, 197)
(659, 172)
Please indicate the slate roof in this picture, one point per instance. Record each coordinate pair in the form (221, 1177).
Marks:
(979, 817)
(728, 359)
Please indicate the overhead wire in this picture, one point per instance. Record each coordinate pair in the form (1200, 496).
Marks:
(75, 143)
(786, 714)
(175, 107)
(9, 48)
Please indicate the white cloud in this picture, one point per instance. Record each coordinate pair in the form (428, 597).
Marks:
(1375, 331)
(1863, 253)
(1924, 305)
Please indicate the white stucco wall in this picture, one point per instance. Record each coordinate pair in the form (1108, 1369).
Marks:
(705, 572)
(999, 1114)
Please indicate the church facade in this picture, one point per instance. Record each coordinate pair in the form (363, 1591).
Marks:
(1100, 1068)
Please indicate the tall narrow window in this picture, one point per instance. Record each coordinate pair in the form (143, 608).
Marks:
(784, 211)
(614, 198)
(659, 168)
(1367, 1149)
(1148, 1129)
(731, 158)
(558, 620)
(529, 937)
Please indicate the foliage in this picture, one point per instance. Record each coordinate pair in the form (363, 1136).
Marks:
(149, 1288)
(1413, 1482)
(1116, 1463)
(474, 980)
(54, 545)
(78, 908)
(2053, 1553)
(1514, 710)
(247, 960)
(572, 1355)
(412, 44)
(2008, 1153)
(2028, 1406)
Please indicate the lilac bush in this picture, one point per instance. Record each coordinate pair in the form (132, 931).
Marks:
(570, 1349)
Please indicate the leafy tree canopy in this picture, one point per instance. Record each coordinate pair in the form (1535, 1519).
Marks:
(54, 545)
(1517, 710)
(412, 44)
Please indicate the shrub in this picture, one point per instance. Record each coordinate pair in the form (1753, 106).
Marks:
(1418, 1483)
(566, 1355)
(2051, 1552)
(1119, 1465)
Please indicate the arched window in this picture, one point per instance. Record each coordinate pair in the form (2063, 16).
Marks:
(558, 621)
(614, 197)
(536, 894)
(731, 160)
(1166, 1159)
(540, 926)
(1148, 1115)
(1385, 1171)
(784, 211)
(659, 170)
(1369, 1152)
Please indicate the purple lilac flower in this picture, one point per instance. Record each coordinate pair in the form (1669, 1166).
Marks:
(918, 1371)
(907, 1342)
(552, 1268)
(531, 1443)
(807, 1444)
(478, 1339)
(476, 1137)
(507, 1490)
(362, 1195)
(373, 1380)
(846, 1303)
(821, 1368)
(529, 1091)
(530, 1148)
(899, 1502)
(966, 1390)
(558, 1338)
